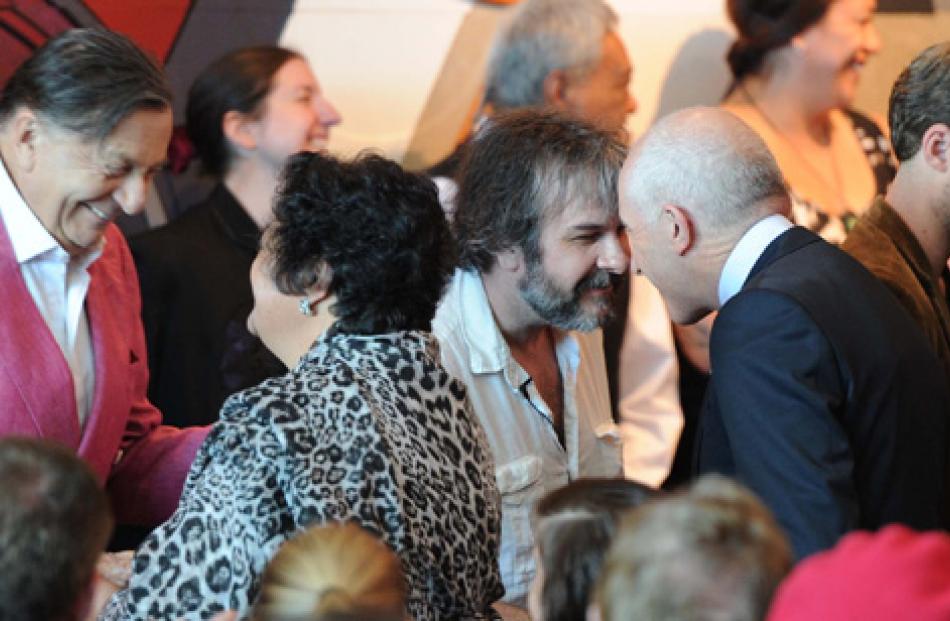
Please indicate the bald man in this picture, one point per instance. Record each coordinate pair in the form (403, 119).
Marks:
(825, 398)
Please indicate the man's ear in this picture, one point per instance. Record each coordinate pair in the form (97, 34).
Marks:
(238, 128)
(24, 131)
(511, 260)
(798, 43)
(935, 147)
(555, 89)
(678, 226)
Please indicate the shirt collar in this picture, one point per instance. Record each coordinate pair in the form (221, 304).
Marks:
(488, 350)
(743, 257)
(32, 240)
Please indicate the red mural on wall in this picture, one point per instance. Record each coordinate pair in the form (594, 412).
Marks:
(153, 25)
(26, 24)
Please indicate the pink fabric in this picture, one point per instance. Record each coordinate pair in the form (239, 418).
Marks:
(36, 387)
(894, 574)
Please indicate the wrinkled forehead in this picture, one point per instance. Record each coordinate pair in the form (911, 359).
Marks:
(575, 191)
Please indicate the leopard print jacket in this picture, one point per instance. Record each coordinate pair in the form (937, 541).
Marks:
(369, 429)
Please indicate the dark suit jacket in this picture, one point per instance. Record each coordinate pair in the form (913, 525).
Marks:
(825, 399)
(196, 296)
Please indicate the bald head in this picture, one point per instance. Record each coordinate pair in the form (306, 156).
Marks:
(711, 164)
(690, 188)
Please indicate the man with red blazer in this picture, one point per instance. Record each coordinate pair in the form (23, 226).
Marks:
(84, 123)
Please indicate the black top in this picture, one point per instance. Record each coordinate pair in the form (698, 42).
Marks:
(196, 296)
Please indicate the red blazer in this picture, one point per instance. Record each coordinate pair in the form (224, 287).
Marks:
(143, 463)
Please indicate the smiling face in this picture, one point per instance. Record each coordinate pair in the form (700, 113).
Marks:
(77, 186)
(836, 48)
(583, 259)
(295, 116)
(603, 96)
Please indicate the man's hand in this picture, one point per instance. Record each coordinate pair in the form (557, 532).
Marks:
(511, 613)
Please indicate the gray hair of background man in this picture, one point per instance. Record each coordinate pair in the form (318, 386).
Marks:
(711, 552)
(87, 80)
(543, 36)
(55, 520)
(920, 99)
(708, 162)
(522, 169)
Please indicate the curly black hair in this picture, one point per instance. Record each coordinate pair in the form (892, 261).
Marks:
(378, 227)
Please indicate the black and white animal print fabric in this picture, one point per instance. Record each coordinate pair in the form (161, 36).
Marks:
(369, 429)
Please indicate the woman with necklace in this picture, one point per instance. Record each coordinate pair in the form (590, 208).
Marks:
(796, 65)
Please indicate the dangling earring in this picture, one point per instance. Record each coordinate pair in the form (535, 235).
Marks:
(305, 308)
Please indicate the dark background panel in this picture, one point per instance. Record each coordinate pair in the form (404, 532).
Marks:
(905, 6)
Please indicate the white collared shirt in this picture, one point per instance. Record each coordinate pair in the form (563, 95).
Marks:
(650, 415)
(529, 458)
(743, 257)
(58, 284)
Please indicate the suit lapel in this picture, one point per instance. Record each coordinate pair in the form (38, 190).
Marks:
(109, 410)
(32, 358)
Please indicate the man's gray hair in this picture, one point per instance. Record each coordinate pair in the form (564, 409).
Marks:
(544, 36)
(87, 81)
(708, 162)
(709, 553)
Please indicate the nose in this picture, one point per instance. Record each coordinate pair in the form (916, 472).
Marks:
(632, 103)
(615, 256)
(130, 195)
(329, 116)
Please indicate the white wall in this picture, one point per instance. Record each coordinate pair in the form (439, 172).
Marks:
(378, 60)
(391, 68)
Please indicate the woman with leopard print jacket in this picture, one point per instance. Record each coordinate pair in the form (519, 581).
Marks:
(367, 426)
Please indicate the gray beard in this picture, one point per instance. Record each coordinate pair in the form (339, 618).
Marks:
(564, 310)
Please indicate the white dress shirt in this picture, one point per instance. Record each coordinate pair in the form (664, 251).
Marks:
(58, 284)
(746, 252)
(650, 415)
(529, 458)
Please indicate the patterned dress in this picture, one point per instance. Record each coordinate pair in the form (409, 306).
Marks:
(369, 429)
(878, 152)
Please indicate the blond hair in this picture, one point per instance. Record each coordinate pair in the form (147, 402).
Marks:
(708, 553)
(332, 572)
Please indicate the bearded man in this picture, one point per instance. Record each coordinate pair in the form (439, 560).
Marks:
(542, 252)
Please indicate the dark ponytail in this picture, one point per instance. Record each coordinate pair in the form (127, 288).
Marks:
(765, 25)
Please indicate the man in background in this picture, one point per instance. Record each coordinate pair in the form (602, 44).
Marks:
(904, 239)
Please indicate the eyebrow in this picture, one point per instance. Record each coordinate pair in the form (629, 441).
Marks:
(124, 161)
(588, 227)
